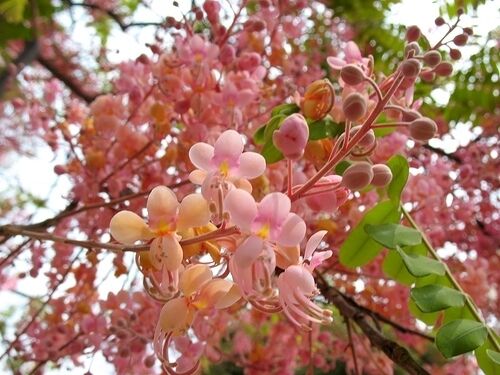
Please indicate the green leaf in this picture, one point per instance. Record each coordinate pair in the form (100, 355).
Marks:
(454, 313)
(258, 136)
(341, 167)
(286, 109)
(359, 249)
(420, 266)
(13, 10)
(400, 170)
(271, 153)
(460, 336)
(394, 267)
(494, 356)
(488, 359)
(427, 318)
(324, 128)
(393, 235)
(271, 126)
(431, 298)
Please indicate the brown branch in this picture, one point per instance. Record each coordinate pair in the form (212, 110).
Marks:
(26, 57)
(67, 80)
(397, 353)
(442, 152)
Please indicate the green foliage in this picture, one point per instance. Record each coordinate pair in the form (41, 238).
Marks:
(359, 248)
(324, 128)
(13, 10)
(400, 171)
(488, 359)
(460, 336)
(419, 265)
(431, 298)
(394, 235)
(394, 267)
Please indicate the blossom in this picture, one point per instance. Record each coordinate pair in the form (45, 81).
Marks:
(296, 286)
(166, 217)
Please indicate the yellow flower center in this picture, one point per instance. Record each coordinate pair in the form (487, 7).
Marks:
(224, 168)
(263, 232)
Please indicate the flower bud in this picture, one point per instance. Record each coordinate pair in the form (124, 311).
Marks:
(444, 69)
(439, 21)
(432, 58)
(382, 175)
(468, 30)
(354, 106)
(318, 99)
(412, 33)
(461, 39)
(352, 74)
(455, 54)
(428, 75)
(413, 46)
(366, 142)
(410, 68)
(149, 361)
(410, 115)
(422, 129)
(357, 176)
(292, 136)
(227, 54)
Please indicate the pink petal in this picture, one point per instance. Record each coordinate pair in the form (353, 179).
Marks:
(127, 227)
(292, 231)
(193, 212)
(228, 147)
(352, 52)
(242, 208)
(313, 243)
(318, 258)
(197, 176)
(162, 206)
(274, 209)
(248, 251)
(335, 63)
(252, 165)
(201, 155)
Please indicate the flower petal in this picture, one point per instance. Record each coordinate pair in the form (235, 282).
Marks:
(197, 176)
(292, 231)
(219, 293)
(274, 209)
(173, 315)
(335, 63)
(252, 165)
(166, 250)
(242, 208)
(201, 155)
(229, 147)
(248, 251)
(313, 243)
(127, 227)
(193, 212)
(162, 206)
(193, 278)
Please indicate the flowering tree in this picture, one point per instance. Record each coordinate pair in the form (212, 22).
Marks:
(262, 187)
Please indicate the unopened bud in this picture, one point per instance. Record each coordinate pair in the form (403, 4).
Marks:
(227, 54)
(410, 68)
(367, 141)
(412, 47)
(461, 39)
(439, 21)
(412, 33)
(455, 54)
(382, 175)
(292, 136)
(432, 58)
(444, 69)
(357, 176)
(352, 74)
(410, 115)
(354, 106)
(460, 11)
(428, 75)
(422, 129)
(318, 99)
(468, 30)
(149, 361)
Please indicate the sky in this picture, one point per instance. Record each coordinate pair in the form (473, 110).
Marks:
(36, 174)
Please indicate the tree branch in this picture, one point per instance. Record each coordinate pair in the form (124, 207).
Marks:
(392, 349)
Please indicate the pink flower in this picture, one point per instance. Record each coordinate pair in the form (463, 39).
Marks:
(292, 136)
(196, 50)
(227, 157)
